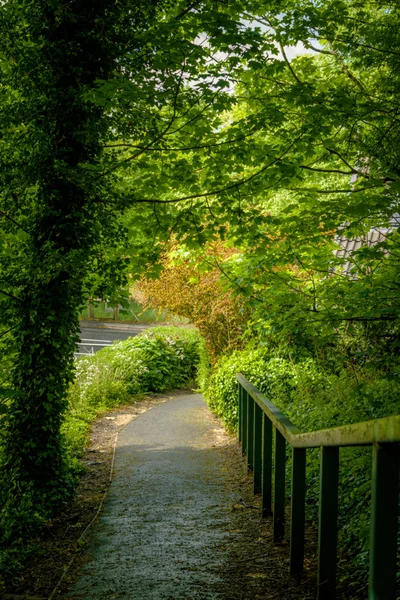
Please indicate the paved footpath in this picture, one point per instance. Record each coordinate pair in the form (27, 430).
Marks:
(164, 531)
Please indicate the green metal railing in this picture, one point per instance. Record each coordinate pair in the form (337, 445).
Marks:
(257, 419)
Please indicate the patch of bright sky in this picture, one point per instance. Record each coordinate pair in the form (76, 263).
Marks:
(291, 51)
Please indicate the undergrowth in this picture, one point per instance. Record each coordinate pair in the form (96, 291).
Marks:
(160, 359)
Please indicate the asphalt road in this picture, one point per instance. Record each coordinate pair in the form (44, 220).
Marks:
(103, 333)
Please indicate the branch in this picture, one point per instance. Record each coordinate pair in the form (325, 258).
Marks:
(7, 331)
(281, 83)
(348, 191)
(287, 283)
(221, 190)
(266, 22)
(381, 318)
(368, 46)
(341, 158)
(288, 63)
(351, 41)
(10, 296)
(3, 214)
(352, 172)
(342, 64)
(233, 281)
(320, 51)
(183, 149)
(195, 116)
(161, 135)
(188, 9)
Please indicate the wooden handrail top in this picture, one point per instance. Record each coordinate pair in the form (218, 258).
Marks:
(386, 430)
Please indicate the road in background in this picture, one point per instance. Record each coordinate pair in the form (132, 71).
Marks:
(95, 335)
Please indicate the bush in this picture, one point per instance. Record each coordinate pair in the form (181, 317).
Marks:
(273, 376)
(160, 359)
(313, 399)
(189, 286)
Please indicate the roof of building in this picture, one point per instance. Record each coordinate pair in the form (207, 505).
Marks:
(374, 236)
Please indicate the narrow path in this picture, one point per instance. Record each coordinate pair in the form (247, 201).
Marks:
(165, 530)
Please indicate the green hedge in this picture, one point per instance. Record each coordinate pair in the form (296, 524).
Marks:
(273, 376)
(314, 399)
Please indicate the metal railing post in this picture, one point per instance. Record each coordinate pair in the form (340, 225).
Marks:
(250, 432)
(240, 408)
(257, 442)
(279, 486)
(245, 398)
(384, 509)
(327, 526)
(266, 468)
(297, 510)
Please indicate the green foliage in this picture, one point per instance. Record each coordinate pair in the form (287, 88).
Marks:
(98, 116)
(316, 399)
(192, 288)
(51, 220)
(274, 376)
(7, 393)
(119, 130)
(80, 84)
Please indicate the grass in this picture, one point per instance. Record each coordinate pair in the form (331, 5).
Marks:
(136, 313)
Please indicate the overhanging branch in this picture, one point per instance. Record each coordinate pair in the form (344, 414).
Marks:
(232, 186)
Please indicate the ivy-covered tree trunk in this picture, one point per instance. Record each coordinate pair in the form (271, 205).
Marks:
(57, 50)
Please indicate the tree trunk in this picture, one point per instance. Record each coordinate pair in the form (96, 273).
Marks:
(90, 310)
(72, 46)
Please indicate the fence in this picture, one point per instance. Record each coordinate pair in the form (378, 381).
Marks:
(86, 346)
(257, 419)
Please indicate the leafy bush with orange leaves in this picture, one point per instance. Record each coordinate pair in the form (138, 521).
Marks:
(196, 291)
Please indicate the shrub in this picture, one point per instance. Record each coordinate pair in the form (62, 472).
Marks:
(193, 289)
(272, 376)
